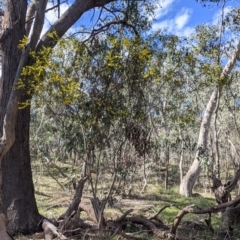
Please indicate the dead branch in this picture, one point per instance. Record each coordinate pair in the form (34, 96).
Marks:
(49, 172)
(124, 215)
(52, 164)
(159, 230)
(161, 210)
(180, 215)
(159, 233)
(196, 210)
(59, 169)
(70, 223)
(77, 197)
(97, 207)
(209, 223)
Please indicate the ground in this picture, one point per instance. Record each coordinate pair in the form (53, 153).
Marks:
(53, 194)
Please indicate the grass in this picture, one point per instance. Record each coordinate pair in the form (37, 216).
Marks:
(177, 202)
(53, 197)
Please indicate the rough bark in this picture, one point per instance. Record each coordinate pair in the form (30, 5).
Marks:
(17, 188)
(12, 32)
(190, 178)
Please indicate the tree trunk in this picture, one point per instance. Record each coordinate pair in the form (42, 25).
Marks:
(166, 159)
(190, 178)
(181, 157)
(17, 188)
(216, 143)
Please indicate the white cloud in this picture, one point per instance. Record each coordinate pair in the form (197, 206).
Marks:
(183, 18)
(167, 24)
(163, 8)
(176, 25)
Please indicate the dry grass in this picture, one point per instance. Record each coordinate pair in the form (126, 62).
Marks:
(53, 198)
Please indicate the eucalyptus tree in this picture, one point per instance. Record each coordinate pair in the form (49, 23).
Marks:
(221, 73)
(24, 18)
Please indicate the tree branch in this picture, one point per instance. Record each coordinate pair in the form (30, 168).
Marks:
(108, 25)
(74, 12)
(196, 210)
(10, 118)
(30, 16)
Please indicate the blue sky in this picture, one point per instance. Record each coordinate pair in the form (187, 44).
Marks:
(177, 16)
(181, 16)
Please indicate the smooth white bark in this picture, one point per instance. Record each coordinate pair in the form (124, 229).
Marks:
(190, 178)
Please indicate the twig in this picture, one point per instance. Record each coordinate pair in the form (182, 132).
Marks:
(124, 215)
(161, 210)
(55, 179)
(209, 223)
